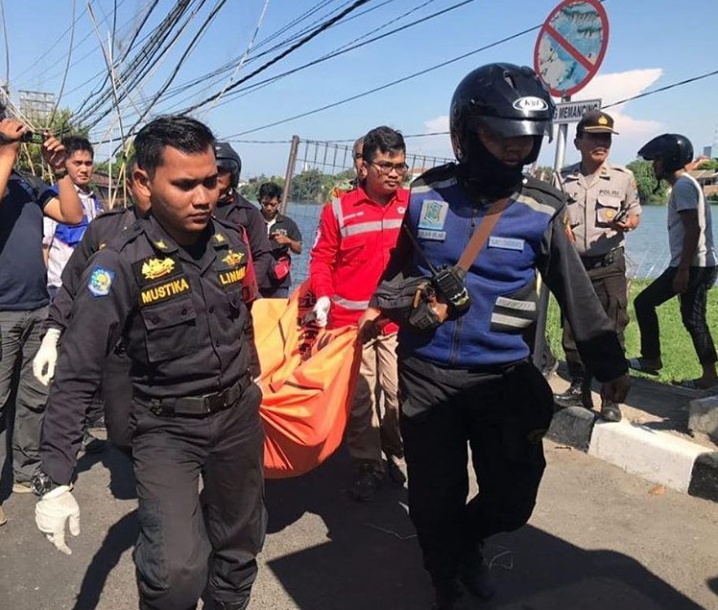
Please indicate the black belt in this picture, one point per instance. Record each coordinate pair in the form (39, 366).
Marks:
(604, 260)
(197, 406)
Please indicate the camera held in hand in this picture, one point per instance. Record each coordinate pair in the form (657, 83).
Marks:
(32, 137)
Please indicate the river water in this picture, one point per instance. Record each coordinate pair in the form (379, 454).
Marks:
(647, 247)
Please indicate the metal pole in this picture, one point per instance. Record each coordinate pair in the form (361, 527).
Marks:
(561, 141)
(543, 296)
(293, 150)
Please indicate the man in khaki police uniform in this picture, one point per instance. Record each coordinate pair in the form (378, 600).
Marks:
(602, 205)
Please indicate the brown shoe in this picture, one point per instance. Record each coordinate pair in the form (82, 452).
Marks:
(3, 518)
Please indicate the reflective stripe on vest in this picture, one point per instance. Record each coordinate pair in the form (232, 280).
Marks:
(363, 227)
(349, 304)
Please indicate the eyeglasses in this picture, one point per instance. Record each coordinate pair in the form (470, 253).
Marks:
(385, 167)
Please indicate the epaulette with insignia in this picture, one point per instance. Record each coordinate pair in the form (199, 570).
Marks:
(127, 236)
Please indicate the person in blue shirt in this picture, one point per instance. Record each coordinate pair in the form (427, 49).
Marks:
(23, 295)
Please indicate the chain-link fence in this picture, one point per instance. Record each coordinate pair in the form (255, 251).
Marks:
(315, 172)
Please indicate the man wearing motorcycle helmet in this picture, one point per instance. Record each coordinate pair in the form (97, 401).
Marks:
(236, 209)
(693, 267)
(468, 381)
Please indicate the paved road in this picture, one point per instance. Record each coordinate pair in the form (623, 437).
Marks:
(599, 539)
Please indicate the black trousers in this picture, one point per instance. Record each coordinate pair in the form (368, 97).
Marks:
(502, 417)
(189, 542)
(693, 312)
(609, 283)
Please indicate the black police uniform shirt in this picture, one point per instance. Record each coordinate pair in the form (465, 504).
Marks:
(101, 231)
(286, 226)
(179, 312)
(239, 211)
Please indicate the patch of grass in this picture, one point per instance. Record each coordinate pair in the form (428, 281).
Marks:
(679, 358)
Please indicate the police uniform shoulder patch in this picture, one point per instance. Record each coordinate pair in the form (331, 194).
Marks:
(622, 169)
(100, 282)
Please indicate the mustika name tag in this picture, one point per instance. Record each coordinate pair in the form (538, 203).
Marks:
(506, 243)
(164, 291)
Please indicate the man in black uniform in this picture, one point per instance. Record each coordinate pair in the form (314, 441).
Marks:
(170, 288)
(116, 385)
(465, 377)
(234, 208)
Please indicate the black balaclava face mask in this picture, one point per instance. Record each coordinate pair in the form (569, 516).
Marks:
(485, 175)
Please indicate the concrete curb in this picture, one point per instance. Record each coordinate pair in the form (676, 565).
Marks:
(653, 455)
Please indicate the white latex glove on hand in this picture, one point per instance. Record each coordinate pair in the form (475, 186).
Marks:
(43, 365)
(321, 311)
(53, 510)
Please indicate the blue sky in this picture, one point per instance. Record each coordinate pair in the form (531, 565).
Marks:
(653, 43)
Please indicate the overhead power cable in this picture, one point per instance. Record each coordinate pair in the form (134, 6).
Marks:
(327, 24)
(233, 65)
(155, 47)
(390, 84)
(213, 13)
(124, 55)
(67, 67)
(445, 133)
(666, 88)
(345, 49)
(244, 57)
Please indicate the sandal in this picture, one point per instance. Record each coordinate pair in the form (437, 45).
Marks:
(640, 365)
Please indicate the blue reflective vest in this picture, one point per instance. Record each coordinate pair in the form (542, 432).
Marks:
(500, 282)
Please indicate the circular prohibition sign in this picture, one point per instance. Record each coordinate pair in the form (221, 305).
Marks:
(571, 46)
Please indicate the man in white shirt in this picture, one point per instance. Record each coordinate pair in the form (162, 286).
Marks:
(59, 240)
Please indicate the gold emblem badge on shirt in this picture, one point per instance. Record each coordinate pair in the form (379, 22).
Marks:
(233, 259)
(156, 268)
(233, 268)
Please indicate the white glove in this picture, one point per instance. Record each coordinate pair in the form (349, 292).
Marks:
(52, 511)
(321, 310)
(43, 365)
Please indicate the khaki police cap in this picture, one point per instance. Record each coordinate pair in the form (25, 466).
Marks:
(595, 121)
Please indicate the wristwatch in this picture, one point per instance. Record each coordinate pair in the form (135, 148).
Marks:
(42, 483)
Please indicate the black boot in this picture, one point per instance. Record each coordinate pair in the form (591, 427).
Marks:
(610, 411)
(577, 395)
(449, 596)
(475, 576)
